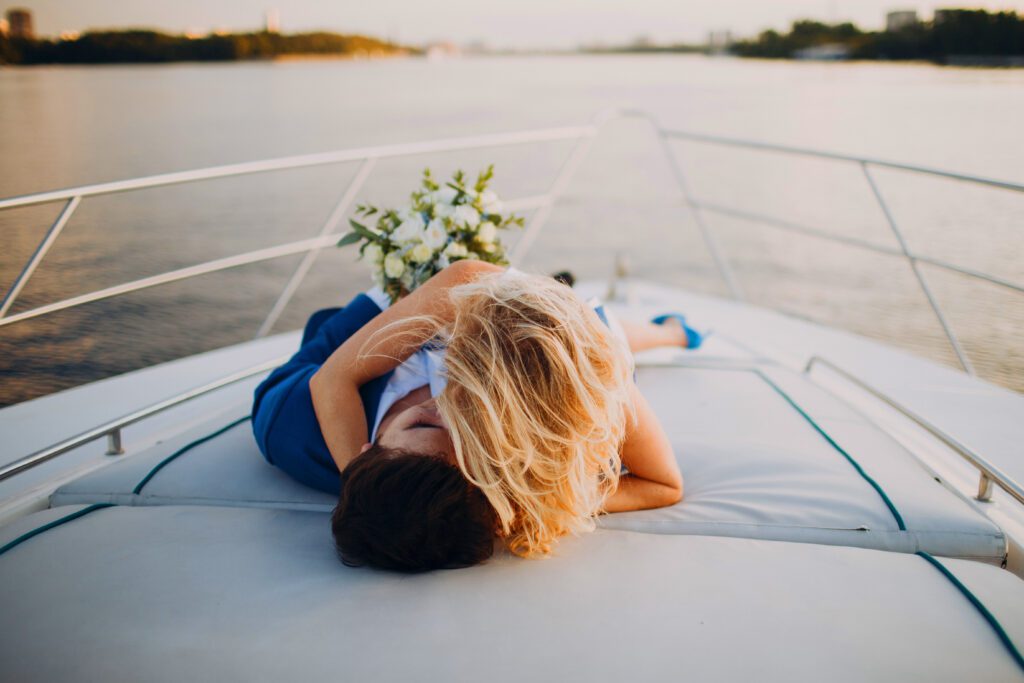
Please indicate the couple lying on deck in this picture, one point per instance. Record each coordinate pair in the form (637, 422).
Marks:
(485, 403)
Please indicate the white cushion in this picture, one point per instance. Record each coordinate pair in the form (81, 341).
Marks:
(754, 468)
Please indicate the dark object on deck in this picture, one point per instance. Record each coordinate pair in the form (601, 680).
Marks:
(565, 277)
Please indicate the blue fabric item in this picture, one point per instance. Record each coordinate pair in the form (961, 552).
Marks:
(283, 419)
(693, 338)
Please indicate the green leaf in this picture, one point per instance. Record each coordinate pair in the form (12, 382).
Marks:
(363, 231)
(350, 238)
(484, 178)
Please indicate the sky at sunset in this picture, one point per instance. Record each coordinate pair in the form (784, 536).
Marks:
(502, 23)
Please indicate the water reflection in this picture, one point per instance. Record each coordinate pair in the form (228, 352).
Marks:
(128, 121)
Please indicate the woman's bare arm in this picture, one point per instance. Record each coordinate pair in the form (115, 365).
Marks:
(654, 479)
(335, 386)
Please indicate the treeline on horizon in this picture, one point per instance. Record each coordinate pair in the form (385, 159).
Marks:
(134, 46)
(959, 33)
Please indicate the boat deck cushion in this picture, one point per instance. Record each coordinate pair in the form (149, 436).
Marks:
(172, 593)
(765, 454)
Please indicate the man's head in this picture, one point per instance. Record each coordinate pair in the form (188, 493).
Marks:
(410, 512)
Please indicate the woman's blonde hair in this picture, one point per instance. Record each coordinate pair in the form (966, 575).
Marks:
(537, 403)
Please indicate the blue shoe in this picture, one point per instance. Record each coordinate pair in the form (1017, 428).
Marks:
(693, 338)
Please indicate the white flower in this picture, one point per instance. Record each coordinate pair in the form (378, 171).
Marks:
(394, 266)
(488, 248)
(435, 235)
(455, 250)
(409, 281)
(489, 202)
(373, 253)
(443, 210)
(472, 256)
(443, 262)
(421, 253)
(487, 233)
(468, 215)
(444, 195)
(409, 231)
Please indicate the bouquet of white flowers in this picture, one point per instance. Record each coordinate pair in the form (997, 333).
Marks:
(441, 225)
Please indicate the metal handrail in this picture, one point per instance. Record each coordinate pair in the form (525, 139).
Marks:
(989, 473)
(326, 238)
(835, 156)
(214, 266)
(305, 161)
(544, 203)
(865, 164)
(773, 222)
(112, 429)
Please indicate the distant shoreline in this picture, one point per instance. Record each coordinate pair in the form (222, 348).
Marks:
(154, 47)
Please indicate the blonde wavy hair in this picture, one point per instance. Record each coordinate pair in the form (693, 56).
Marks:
(536, 401)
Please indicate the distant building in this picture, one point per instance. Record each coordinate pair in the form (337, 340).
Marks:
(942, 15)
(900, 19)
(19, 24)
(70, 35)
(5, 28)
(272, 21)
(720, 41)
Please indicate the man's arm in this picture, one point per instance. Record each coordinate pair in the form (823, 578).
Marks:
(363, 356)
(654, 479)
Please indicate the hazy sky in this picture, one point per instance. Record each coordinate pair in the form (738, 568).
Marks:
(530, 23)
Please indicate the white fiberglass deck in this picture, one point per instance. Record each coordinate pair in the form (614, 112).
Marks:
(213, 564)
(196, 593)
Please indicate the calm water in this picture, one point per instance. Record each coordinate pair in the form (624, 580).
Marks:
(70, 126)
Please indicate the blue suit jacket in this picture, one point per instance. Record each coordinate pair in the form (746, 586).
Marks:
(283, 420)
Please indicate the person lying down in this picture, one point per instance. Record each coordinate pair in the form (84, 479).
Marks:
(485, 404)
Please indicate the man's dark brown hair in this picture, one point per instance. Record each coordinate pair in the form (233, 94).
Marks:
(410, 512)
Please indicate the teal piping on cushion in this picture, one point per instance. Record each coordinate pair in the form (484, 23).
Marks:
(184, 449)
(988, 616)
(874, 484)
(57, 522)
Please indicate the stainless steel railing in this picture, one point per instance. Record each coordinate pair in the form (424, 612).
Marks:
(988, 472)
(542, 204)
(111, 430)
(327, 237)
(699, 207)
(74, 196)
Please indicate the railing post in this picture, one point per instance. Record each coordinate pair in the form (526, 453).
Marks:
(953, 341)
(51, 236)
(698, 217)
(984, 488)
(114, 445)
(307, 261)
(565, 175)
